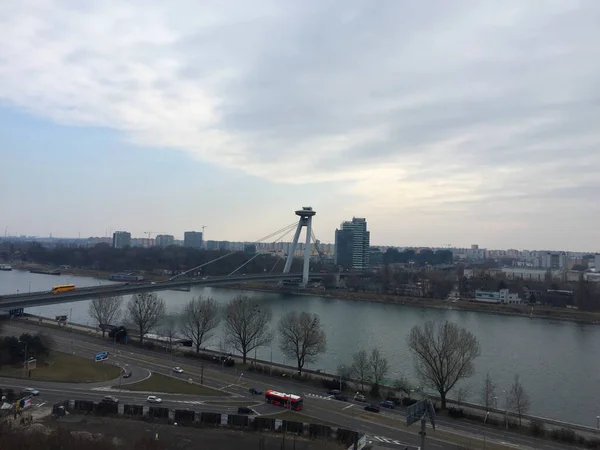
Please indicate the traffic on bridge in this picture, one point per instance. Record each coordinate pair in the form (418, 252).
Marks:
(86, 293)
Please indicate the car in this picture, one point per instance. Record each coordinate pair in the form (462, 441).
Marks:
(154, 399)
(127, 375)
(334, 392)
(387, 404)
(177, 369)
(110, 399)
(340, 397)
(372, 408)
(360, 398)
(31, 391)
(245, 410)
(255, 391)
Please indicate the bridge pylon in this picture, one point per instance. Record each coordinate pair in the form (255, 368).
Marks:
(306, 214)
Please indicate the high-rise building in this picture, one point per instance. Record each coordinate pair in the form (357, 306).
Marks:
(164, 240)
(193, 239)
(352, 244)
(121, 239)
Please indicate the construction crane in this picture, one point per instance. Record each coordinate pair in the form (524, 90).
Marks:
(150, 233)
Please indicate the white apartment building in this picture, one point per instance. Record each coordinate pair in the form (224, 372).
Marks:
(502, 296)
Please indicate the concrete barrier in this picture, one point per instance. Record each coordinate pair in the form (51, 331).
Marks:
(257, 423)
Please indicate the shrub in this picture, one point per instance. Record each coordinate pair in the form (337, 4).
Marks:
(536, 428)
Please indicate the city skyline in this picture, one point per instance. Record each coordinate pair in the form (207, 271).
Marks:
(442, 123)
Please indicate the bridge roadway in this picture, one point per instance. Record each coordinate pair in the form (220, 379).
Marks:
(26, 300)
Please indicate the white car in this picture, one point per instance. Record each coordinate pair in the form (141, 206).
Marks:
(32, 391)
(177, 369)
(154, 399)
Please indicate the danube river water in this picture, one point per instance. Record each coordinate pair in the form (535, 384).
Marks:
(558, 362)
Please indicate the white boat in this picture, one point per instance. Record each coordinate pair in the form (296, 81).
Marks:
(5, 267)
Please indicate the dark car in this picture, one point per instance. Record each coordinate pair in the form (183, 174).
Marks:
(334, 392)
(127, 375)
(340, 397)
(245, 410)
(255, 391)
(387, 404)
(110, 399)
(372, 408)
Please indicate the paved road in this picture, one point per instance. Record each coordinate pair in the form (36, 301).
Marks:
(386, 428)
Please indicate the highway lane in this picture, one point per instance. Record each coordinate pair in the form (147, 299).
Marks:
(51, 393)
(315, 403)
(25, 300)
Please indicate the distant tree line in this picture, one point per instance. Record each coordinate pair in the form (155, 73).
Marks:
(173, 259)
(424, 257)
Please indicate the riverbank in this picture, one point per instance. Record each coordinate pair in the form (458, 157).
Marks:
(535, 312)
(98, 274)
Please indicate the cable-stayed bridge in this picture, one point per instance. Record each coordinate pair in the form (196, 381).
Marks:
(179, 281)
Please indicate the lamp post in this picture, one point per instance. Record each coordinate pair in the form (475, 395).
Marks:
(24, 358)
(341, 371)
(71, 325)
(506, 408)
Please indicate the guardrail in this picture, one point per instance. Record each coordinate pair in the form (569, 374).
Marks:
(41, 298)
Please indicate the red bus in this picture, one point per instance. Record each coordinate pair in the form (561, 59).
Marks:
(286, 400)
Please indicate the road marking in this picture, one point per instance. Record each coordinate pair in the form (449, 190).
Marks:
(345, 408)
(41, 404)
(388, 441)
(322, 397)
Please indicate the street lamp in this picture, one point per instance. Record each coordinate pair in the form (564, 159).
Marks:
(341, 371)
(71, 325)
(506, 408)
(24, 358)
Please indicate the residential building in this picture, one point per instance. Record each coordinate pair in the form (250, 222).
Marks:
(352, 244)
(121, 239)
(164, 240)
(250, 249)
(501, 296)
(193, 239)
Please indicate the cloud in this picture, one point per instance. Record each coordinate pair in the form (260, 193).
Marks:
(425, 106)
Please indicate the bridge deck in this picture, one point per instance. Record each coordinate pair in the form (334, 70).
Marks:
(86, 293)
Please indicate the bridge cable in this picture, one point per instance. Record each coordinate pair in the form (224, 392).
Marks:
(286, 228)
(285, 233)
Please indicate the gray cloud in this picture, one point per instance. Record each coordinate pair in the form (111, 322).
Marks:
(409, 105)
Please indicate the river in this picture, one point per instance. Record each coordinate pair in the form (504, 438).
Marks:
(558, 362)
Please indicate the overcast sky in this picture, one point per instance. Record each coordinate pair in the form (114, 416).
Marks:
(441, 122)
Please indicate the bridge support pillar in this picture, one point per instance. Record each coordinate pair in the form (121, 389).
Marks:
(306, 214)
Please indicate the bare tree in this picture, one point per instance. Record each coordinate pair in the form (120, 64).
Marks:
(462, 395)
(105, 310)
(402, 384)
(198, 319)
(146, 310)
(301, 337)
(518, 399)
(169, 330)
(378, 367)
(488, 392)
(361, 369)
(247, 325)
(443, 355)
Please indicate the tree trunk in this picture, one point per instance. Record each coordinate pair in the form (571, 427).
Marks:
(141, 337)
(244, 358)
(443, 400)
(103, 331)
(197, 346)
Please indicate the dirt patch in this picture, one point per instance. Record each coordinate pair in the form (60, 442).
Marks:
(127, 432)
